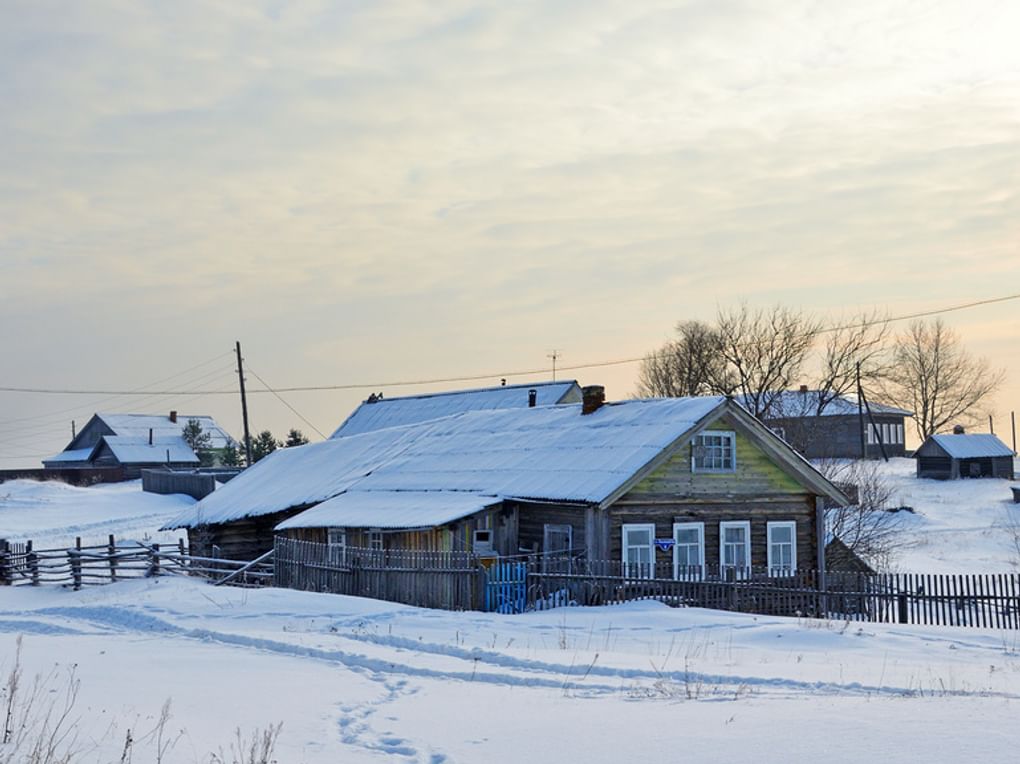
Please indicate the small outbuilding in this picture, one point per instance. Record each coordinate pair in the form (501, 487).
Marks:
(950, 457)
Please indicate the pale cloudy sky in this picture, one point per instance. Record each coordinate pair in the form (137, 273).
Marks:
(377, 191)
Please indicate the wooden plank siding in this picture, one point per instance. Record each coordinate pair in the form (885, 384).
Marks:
(757, 490)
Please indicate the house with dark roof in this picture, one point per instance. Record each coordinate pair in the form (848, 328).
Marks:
(379, 412)
(135, 442)
(950, 457)
(821, 427)
(697, 483)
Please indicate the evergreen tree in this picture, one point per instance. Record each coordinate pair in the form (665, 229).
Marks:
(262, 445)
(198, 441)
(230, 456)
(295, 438)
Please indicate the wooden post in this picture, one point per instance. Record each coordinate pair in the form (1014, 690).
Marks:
(154, 564)
(5, 564)
(902, 614)
(112, 550)
(75, 559)
(33, 563)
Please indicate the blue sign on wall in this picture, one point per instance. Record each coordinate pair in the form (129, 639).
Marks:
(665, 544)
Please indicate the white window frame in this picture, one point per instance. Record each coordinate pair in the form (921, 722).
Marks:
(624, 547)
(730, 435)
(746, 526)
(336, 543)
(375, 539)
(700, 528)
(772, 564)
(899, 434)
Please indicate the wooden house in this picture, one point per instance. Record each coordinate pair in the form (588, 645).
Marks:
(135, 442)
(696, 481)
(949, 457)
(832, 429)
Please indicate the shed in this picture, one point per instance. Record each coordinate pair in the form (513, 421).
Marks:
(950, 457)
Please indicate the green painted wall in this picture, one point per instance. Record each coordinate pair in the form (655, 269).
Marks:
(755, 475)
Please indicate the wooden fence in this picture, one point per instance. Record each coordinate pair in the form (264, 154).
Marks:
(445, 580)
(21, 564)
(981, 600)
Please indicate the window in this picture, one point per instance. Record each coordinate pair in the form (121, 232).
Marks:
(375, 540)
(482, 542)
(782, 554)
(336, 539)
(714, 451)
(557, 539)
(688, 551)
(639, 550)
(735, 548)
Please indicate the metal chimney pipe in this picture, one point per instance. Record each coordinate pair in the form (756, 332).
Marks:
(532, 398)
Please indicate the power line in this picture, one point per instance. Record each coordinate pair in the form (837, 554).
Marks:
(274, 392)
(477, 377)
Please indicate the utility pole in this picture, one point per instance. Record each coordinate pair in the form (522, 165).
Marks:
(244, 407)
(860, 412)
(554, 355)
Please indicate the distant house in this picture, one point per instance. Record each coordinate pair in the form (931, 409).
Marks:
(135, 442)
(949, 457)
(695, 482)
(835, 431)
(378, 412)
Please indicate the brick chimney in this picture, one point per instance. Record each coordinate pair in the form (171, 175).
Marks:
(592, 398)
(173, 417)
(803, 389)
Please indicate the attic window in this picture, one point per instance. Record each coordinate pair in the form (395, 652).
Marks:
(714, 451)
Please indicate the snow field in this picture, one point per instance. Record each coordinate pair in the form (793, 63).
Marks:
(359, 680)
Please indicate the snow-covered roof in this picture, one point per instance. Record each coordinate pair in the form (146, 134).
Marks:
(77, 455)
(135, 450)
(390, 509)
(973, 446)
(544, 453)
(794, 403)
(138, 426)
(396, 412)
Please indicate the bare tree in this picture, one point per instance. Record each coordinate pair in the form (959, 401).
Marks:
(763, 351)
(868, 527)
(862, 340)
(935, 377)
(682, 367)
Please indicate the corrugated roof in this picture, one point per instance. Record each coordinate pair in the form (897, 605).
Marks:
(397, 412)
(974, 446)
(390, 509)
(543, 453)
(794, 403)
(135, 450)
(138, 426)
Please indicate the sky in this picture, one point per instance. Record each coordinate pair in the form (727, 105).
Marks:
(373, 192)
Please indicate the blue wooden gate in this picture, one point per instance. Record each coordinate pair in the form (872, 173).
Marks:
(506, 587)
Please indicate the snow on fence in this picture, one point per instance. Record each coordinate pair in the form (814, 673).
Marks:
(23, 565)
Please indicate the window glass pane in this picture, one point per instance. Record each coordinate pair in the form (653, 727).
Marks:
(687, 536)
(639, 536)
(782, 533)
(734, 534)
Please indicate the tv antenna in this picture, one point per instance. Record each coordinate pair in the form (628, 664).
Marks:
(553, 354)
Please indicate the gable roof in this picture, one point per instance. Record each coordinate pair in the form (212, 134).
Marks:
(391, 509)
(790, 404)
(550, 453)
(971, 446)
(138, 426)
(133, 450)
(396, 412)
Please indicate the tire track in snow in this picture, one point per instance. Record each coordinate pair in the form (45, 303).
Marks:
(516, 671)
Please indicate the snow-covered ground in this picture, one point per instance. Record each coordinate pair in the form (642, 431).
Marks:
(959, 526)
(357, 680)
(52, 513)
